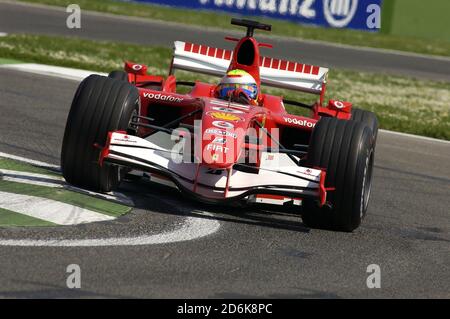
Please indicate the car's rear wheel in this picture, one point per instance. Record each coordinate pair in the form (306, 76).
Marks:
(100, 105)
(368, 118)
(345, 149)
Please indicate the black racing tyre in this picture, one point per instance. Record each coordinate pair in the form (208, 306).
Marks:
(119, 75)
(368, 118)
(345, 149)
(100, 105)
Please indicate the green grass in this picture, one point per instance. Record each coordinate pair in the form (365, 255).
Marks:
(65, 196)
(12, 219)
(58, 194)
(410, 43)
(427, 19)
(8, 61)
(401, 104)
(79, 53)
(13, 165)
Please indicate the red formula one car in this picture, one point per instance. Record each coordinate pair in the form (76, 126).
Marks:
(216, 147)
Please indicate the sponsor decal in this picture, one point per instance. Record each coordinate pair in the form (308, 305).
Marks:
(217, 148)
(219, 140)
(137, 67)
(162, 97)
(223, 124)
(352, 14)
(226, 110)
(339, 13)
(307, 172)
(220, 132)
(224, 116)
(339, 104)
(125, 139)
(298, 122)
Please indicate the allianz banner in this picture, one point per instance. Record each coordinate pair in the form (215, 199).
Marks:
(354, 14)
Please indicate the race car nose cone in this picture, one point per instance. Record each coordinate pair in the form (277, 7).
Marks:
(223, 133)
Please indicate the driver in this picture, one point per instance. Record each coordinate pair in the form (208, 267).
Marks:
(238, 86)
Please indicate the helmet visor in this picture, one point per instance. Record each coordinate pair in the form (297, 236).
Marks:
(250, 89)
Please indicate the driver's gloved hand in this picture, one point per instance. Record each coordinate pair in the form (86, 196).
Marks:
(239, 96)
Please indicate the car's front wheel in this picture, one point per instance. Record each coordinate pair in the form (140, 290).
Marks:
(345, 150)
(368, 118)
(119, 75)
(100, 105)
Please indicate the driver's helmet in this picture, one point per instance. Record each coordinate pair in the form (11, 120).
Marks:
(237, 79)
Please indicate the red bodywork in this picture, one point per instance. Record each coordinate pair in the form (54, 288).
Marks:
(160, 100)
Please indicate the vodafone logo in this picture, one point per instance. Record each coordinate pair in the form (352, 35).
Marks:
(137, 67)
(339, 13)
(124, 139)
(162, 97)
(299, 122)
(339, 104)
(223, 124)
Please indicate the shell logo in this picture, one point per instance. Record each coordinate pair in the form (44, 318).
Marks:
(224, 116)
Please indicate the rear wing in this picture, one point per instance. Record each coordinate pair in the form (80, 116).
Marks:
(273, 72)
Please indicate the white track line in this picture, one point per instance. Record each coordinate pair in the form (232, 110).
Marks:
(29, 161)
(53, 181)
(50, 210)
(192, 228)
(31, 178)
(412, 136)
(3, 34)
(55, 71)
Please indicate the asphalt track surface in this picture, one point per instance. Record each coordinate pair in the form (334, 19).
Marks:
(24, 18)
(254, 253)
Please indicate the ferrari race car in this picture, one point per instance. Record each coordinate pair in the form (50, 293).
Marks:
(219, 148)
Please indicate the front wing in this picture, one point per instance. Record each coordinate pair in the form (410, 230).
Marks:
(277, 174)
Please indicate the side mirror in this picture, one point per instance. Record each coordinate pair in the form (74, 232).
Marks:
(340, 106)
(134, 68)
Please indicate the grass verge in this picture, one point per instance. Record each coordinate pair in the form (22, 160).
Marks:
(13, 219)
(401, 104)
(66, 196)
(12, 165)
(58, 194)
(290, 29)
